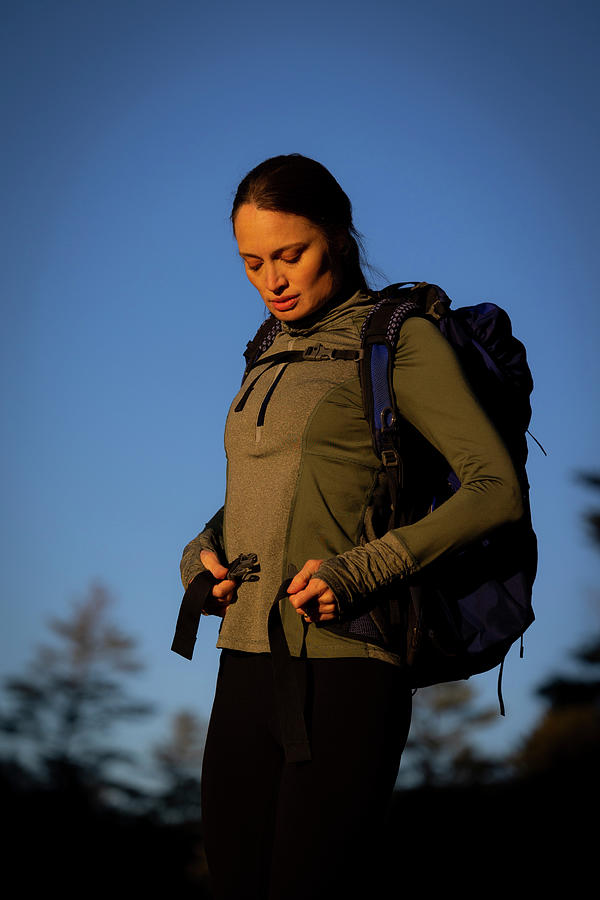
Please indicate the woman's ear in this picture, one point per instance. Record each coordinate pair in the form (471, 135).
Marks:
(340, 243)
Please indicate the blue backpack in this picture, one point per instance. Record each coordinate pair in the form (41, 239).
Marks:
(467, 609)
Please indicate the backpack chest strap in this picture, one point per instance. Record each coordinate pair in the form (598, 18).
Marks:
(314, 353)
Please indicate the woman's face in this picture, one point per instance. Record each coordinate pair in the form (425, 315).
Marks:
(286, 259)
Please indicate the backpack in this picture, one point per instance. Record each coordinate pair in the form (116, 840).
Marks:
(466, 610)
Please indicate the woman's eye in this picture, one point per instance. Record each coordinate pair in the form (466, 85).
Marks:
(253, 268)
(292, 259)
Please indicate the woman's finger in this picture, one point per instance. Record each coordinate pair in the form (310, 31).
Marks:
(314, 587)
(325, 612)
(210, 561)
(316, 602)
(224, 589)
(215, 607)
(302, 578)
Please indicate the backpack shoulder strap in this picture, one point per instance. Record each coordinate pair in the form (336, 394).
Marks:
(379, 336)
(261, 341)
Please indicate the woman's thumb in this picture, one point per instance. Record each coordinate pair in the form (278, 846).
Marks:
(210, 561)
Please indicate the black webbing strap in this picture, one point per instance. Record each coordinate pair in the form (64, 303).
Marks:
(500, 698)
(190, 611)
(288, 696)
(243, 568)
(242, 402)
(314, 353)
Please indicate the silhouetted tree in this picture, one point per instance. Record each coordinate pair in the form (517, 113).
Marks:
(61, 712)
(179, 760)
(440, 750)
(592, 518)
(73, 826)
(566, 741)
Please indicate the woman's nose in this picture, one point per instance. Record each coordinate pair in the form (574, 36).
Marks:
(275, 280)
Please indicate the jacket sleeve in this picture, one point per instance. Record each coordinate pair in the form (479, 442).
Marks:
(433, 394)
(210, 538)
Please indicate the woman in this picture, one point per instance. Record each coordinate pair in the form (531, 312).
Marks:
(302, 480)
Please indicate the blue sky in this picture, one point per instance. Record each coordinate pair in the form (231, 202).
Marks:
(466, 135)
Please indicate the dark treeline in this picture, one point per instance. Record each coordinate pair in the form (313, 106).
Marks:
(76, 815)
(77, 822)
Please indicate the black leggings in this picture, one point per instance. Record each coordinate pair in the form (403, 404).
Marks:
(277, 831)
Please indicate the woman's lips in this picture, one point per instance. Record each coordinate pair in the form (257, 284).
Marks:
(283, 303)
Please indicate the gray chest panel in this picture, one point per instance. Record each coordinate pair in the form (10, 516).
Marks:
(264, 462)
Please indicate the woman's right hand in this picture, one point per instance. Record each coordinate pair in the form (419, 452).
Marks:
(224, 591)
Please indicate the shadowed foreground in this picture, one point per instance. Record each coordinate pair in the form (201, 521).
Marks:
(528, 834)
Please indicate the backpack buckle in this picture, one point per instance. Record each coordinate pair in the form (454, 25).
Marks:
(390, 458)
(317, 351)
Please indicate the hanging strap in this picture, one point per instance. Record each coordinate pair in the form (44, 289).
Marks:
(190, 611)
(500, 698)
(243, 568)
(263, 406)
(288, 693)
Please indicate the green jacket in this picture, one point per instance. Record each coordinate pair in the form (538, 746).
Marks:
(301, 476)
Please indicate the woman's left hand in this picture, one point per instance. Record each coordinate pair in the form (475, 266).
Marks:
(311, 597)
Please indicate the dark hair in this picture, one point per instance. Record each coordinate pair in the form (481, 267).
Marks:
(302, 186)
